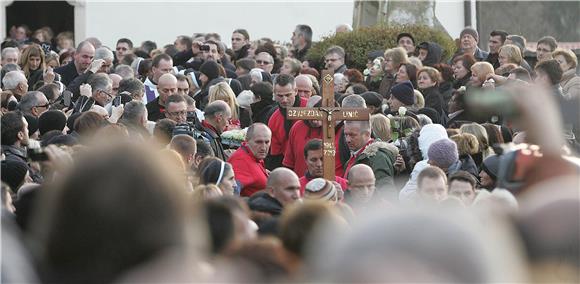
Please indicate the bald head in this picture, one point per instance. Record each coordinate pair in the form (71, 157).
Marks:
(116, 79)
(303, 86)
(257, 129)
(362, 172)
(280, 175)
(166, 87)
(361, 183)
(186, 146)
(303, 80)
(284, 186)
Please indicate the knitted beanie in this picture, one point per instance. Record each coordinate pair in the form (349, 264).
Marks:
(470, 31)
(13, 173)
(210, 69)
(404, 92)
(443, 153)
(51, 120)
(317, 186)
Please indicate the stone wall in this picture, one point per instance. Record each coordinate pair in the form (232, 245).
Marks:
(532, 19)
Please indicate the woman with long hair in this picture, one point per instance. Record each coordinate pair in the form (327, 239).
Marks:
(33, 64)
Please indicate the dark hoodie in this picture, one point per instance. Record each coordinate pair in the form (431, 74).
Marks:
(434, 53)
(264, 202)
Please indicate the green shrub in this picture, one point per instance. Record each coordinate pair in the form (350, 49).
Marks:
(359, 42)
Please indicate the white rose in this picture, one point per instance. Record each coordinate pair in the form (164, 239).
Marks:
(402, 111)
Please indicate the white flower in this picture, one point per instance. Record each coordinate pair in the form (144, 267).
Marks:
(402, 111)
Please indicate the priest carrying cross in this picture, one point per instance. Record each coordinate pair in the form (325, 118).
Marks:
(379, 155)
(328, 114)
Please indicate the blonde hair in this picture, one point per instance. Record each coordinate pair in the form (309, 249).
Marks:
(512, 52)
(482, 69)
(381, 126)
(398, 55)
(416, 61)
(294, 64)
(568, 55)
(419, 99)
(223, 92)
(467, 143)
(31, 50)
(433, 73)
(204, 192)
(480, 133)
(315, 85)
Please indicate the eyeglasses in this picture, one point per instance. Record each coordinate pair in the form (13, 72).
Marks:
(177, 113)
(44, 106)
(261, 62)
(107, 93)
(331, 59)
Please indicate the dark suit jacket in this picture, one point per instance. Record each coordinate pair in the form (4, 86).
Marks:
(67, 73)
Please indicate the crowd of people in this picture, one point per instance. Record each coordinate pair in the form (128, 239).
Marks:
(116, 166)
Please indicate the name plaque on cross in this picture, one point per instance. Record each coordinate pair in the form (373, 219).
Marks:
(329, 114)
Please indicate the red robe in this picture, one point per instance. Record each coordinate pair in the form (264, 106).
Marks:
(300, 134)
(249, 171)
(276, 125)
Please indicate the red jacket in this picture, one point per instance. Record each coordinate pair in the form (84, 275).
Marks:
(249, 171)
(276, 125)
(304, 180)
(300, 134)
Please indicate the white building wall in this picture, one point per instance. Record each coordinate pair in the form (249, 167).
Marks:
(450, 15)
(163, 21)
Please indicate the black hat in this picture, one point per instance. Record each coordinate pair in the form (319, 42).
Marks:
(13, 173)
(401, 35)
(431, 113)
(210, 69)
(372, 99)
(374, 54)
(51, 120)
(404, 92)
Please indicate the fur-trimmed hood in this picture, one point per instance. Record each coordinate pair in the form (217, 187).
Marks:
(373, 148)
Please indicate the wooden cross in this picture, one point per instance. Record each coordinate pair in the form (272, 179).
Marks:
(329, 114)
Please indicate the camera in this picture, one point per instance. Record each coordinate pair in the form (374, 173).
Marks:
(183, 128)
(204, 47)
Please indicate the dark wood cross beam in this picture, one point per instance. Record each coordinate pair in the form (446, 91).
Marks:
(328, 114)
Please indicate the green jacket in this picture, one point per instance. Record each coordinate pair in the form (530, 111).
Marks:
(381, 156)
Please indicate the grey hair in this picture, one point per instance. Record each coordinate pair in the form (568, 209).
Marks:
(125, 71)
(7, 50)
(133, 111)
(104, 53)
(252, 129)
(12, 79)
(131, 85)
(29, 100)
(99, 81)
(364, 125)
(354, 101)
(212, 109)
